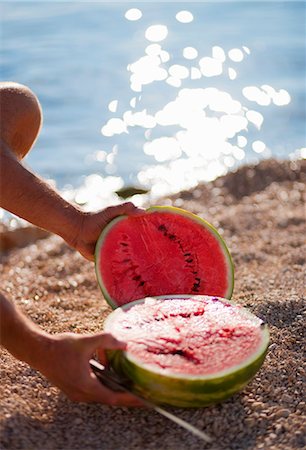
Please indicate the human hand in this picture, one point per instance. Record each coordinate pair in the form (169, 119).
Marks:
(66, 365)
(62, 358)
(91, 225)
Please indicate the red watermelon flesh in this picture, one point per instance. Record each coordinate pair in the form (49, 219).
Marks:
(165, 251)
(196, 336)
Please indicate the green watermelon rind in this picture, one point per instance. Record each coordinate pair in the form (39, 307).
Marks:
(166, 209)
(185, 390)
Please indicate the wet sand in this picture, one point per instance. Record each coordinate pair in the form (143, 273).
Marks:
(260, 212)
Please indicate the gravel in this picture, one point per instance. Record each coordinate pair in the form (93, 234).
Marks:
(260, 211)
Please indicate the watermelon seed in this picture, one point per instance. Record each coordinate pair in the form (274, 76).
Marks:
(178, 352)
(136, 278)
(162, 228)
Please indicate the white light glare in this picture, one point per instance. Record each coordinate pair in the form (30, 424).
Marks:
(163, 149)
(236, 55)
(133, 14)
(184, 17)
(156, 33)
(210, 67)
(258, 146)
(113, 106)
(190, 53)
(178, 71)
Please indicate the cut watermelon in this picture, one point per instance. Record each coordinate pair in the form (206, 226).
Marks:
(164, 251)
(187, 351)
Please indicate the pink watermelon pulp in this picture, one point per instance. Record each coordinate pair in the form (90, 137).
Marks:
(165, 251)
(187, 350)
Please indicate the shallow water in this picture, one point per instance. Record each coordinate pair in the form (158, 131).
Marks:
(190, 99)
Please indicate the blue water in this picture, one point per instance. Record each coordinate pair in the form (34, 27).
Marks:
(74, 56)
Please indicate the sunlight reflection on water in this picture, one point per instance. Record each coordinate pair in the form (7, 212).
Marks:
(190, 110)
(211, 124)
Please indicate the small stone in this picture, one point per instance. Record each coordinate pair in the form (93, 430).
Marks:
(287, 398)
(282, 413)
(272, 346)
(278, 428)
(78, 421)
(250, 421)
(258, 405)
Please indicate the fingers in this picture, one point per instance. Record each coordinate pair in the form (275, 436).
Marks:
(93, 391)
(98, 343)
(104, 340)
(125, 208)
(131, 209)
(102, 394)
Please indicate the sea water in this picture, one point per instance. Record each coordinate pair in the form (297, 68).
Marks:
(159, 95)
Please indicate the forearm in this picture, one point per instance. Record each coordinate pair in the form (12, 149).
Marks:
(24, 194)
(21, 337)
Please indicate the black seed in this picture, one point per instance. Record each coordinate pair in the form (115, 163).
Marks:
(124, 244)
(189, 260)
(126, 260)
(187, 254)
(162, 228)
(172, 237)
(178, 352)
(136, 277)
(141, 283)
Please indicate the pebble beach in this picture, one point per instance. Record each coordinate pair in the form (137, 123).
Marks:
(260, 212)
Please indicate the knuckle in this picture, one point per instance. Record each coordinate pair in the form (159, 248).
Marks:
(107, 336)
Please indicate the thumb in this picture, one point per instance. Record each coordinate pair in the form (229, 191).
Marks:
(105, 341)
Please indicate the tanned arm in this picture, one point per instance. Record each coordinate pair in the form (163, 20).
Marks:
(62, 358)
(24, 194)
(29, 197)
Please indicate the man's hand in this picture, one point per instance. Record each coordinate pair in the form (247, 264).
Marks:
(66, 365)
(92, 224)
(62, 358)
(29, 197)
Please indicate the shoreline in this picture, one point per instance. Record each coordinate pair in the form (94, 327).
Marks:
(260, 212)
(16, 232)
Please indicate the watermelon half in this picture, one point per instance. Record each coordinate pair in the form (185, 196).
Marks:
(164, 251)
(187, 351)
